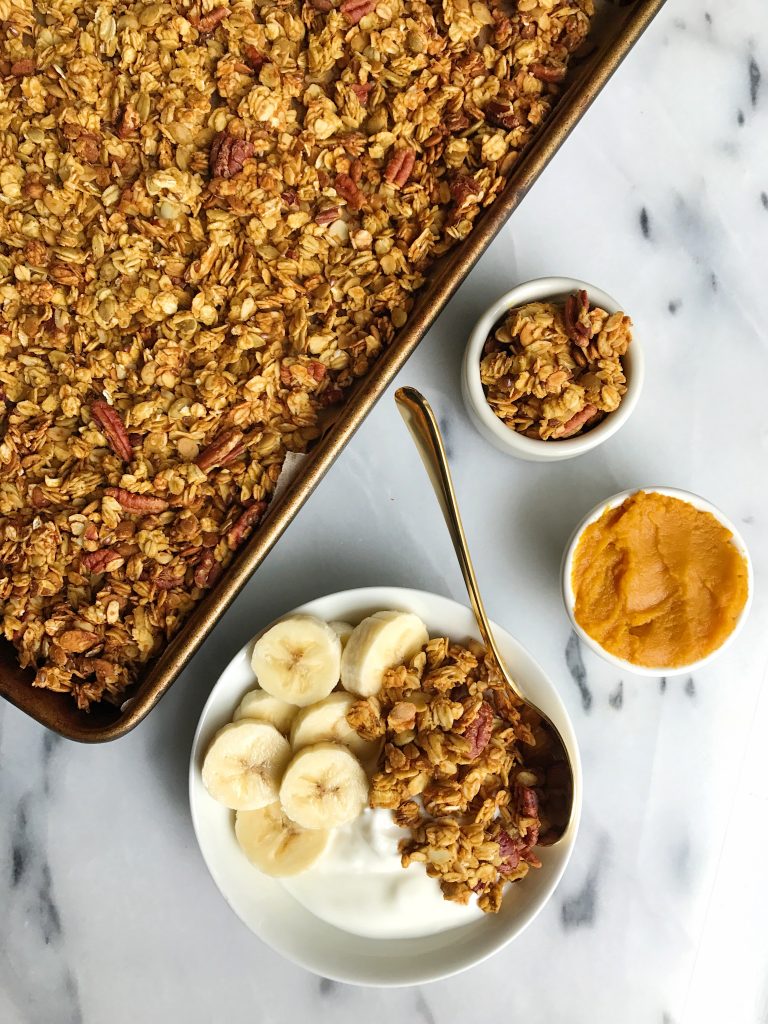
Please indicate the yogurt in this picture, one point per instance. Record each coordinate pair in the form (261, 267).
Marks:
(360, 886)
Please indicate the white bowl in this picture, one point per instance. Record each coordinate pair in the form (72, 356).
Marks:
(488, 423)
(284, 924)
(569, 598)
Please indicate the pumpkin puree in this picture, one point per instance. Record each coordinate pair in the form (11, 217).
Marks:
(658, 582)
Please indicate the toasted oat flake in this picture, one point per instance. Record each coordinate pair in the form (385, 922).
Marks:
(171, 277)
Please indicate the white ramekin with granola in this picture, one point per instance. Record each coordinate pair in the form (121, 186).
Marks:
(552, 370)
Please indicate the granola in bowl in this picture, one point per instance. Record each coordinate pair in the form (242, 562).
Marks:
(463, 768)
(554, 370)
(214, 218)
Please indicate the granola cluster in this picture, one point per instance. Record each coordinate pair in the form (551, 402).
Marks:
(456, 770)
(213, 218)
(554, 370)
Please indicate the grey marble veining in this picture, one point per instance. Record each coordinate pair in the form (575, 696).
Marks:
(661, 198)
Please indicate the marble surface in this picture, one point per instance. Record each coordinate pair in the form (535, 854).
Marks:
(661, 198)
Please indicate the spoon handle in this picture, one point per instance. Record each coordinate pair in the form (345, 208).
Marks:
(421, 421)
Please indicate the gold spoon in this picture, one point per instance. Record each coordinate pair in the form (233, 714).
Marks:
(551, 753)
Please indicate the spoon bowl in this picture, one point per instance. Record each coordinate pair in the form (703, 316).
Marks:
(550, 752)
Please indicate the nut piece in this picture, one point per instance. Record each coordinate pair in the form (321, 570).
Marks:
(228, 155)
(354, 10)
(129, 122)
(245, 523)
(224, 449)
(348, 190)
(113, 428)
(136, 502)
(400, 166)
(208, 22)
(328, 216)
(22, 68)
(105, 560)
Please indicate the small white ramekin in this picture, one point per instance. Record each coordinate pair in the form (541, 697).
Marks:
(543, 289)
(569, 598)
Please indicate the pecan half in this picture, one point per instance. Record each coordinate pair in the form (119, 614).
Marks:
(113, 428)
(255, 58)
(456, 122)
(223, 449)
(348, 190)
(576, 422)
(502, 114)
(168, 579)
(575, 318)
(228, 155)
(462, 187)
(87, 147)
(399, 167)
(128, 123)
(527, 802)
(244, 523)
(328, 216)
(361, 90)
(547, 72)
(207, 571)
(510, 852)
(104, 560)
(354, 10)
(136, 502)
(479, 731)
(208, 22)
(22, 68)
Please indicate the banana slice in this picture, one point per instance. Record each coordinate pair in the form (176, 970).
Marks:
(380, 642)
(343, 630)
(275, 844)
(298, 660)
(244, 764)
(263, 707)
(327, 722)
(324, 786)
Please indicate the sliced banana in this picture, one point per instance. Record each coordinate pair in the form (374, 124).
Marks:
(380, 642)
(298, 660)
(327, 722)
(324, 786)
(263, 707)
(275, 844)
(343, 630)
(244, 765)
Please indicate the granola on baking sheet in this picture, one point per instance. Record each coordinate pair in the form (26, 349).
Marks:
(213, 218)
(553, 370)
(463, 768)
